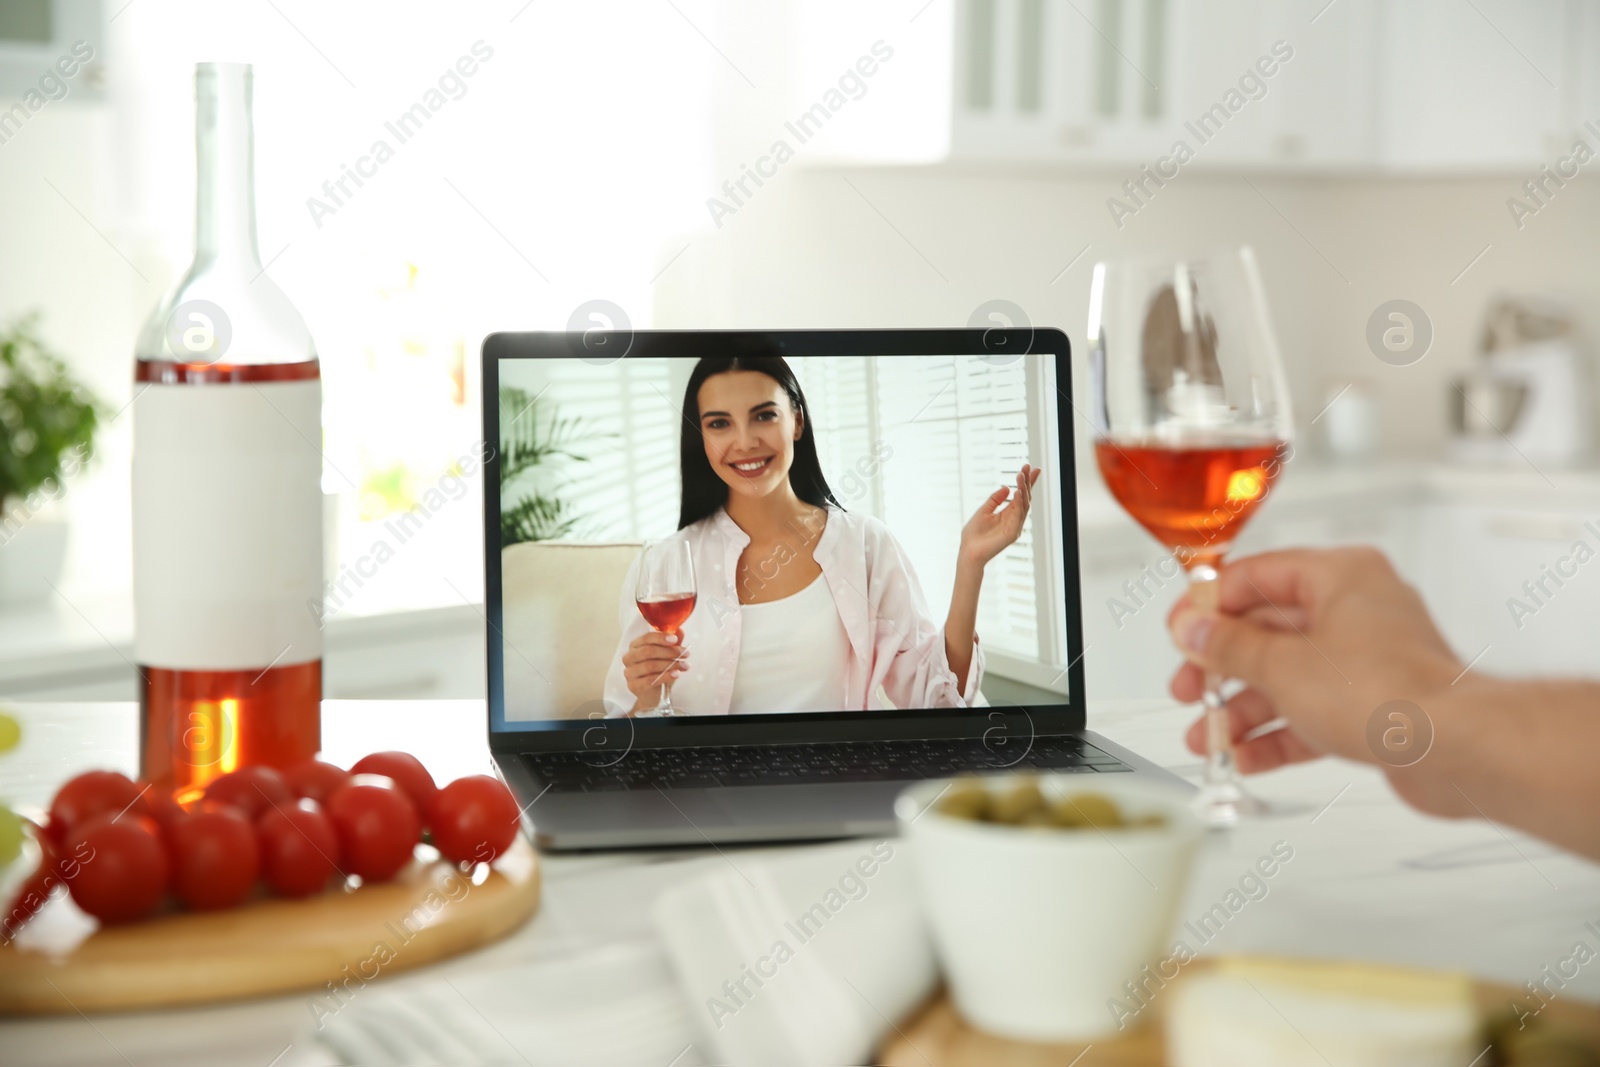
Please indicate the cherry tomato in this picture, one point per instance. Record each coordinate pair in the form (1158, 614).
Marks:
(299, 849)
(89, 796)
(215, 858)
(252, 790)
(377, 826)
(314, 779)
(122, 869)
(408, 773)
(160, 806)
(474, 819)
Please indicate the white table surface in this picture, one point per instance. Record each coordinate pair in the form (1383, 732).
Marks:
(1369, 879)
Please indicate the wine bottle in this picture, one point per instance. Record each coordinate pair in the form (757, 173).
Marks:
(227, 499)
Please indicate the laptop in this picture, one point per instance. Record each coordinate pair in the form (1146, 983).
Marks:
(809, 670)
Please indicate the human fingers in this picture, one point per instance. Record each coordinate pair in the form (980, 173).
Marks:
(1254, 754)
(644, 654)
(647, 675)
(1267, 657)
(1247, 710)
(1016, 512)
(653, 654)
(1303, 577)
(1188, 683)
(1271, 750)
(653, 644)
(1273, 616)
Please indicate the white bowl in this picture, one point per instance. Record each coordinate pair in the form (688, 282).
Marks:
(1038, 929)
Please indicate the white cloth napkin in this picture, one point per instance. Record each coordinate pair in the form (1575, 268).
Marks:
(612, 1006)
(808, 958)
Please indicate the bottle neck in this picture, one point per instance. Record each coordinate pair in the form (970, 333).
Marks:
(225, 220)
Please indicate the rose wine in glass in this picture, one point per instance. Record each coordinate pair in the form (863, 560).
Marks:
(665, 594)
(1192, 427)
(1190, 499)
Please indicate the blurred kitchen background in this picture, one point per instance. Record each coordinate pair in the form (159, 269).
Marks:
(1417, 180)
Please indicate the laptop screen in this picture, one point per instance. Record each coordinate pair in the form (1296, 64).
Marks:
(762, 535)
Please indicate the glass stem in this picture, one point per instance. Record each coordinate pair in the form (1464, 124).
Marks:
(1221, 769)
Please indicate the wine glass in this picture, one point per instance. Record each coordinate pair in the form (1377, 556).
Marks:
(665, 594)
(1192, 426)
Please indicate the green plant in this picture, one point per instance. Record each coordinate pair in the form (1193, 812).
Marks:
(531, 437)
(45, 413)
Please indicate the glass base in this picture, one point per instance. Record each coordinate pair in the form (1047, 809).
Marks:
(663, 707)
(1221, 805)
(660, 711)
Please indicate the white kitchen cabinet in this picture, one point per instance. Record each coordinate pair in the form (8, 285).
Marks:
(1420, 87)
(1322, 109)
(1480, 85)
(1506, 583)
(1038, 80)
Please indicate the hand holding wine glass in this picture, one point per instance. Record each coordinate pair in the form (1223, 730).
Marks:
(653, 660)
(665, 595)
(1192, 425)
(1319, 637)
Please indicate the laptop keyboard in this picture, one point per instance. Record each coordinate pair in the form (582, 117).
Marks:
(855, 761)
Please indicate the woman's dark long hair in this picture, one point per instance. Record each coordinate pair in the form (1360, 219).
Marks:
(703, 491)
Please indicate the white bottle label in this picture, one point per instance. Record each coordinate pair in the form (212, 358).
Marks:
(227, 525)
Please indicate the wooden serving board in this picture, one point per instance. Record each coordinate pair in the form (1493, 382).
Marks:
(937, 1036)
(429, 912)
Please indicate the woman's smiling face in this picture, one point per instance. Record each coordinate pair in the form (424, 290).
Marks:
(749, 428)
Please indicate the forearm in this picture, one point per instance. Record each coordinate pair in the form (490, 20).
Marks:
(1514, 752)
(960, 625)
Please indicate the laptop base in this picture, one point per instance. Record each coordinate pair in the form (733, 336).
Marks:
(651, 816)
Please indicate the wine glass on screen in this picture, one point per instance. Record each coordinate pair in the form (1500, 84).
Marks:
(1192, 426)
(665, 594)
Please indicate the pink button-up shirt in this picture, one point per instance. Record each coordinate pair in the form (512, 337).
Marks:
(896, 650)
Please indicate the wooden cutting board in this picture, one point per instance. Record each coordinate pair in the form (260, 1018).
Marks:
(937, 1036)
(429, 912)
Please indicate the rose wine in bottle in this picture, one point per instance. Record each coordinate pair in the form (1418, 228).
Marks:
(227, 497)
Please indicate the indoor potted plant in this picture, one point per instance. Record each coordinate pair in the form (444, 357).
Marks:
(48, 421)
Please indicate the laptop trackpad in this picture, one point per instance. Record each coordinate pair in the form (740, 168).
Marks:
(830, 802)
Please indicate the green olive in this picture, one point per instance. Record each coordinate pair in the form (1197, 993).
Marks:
(10, 836)
(1088, 809)
(1020, 802)
(966, 802)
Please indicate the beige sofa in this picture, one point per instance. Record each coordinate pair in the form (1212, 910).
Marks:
(559, 619)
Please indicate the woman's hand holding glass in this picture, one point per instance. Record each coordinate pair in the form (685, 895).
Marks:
(653, 659)
(995, 526)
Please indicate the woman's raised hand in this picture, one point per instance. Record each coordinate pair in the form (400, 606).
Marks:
(998, 520)
(653, 659)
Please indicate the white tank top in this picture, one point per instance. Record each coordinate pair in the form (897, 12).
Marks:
(793, 654)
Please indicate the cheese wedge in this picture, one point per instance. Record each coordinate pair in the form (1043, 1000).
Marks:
(1288, 1013)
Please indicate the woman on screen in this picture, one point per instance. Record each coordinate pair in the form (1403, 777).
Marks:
(801, 605)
